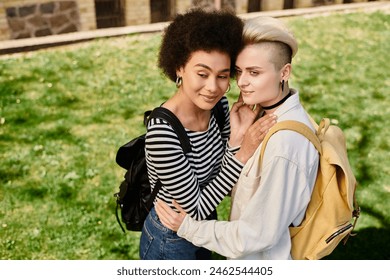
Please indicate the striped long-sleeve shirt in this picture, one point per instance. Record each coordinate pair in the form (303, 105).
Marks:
(200, 179)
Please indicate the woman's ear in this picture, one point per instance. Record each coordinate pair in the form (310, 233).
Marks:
(179, 72)
(286, 72)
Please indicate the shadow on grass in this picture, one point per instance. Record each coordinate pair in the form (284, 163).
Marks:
(372, 243)
(368, 244)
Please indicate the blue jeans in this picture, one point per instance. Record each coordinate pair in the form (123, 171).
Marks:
(160, 243)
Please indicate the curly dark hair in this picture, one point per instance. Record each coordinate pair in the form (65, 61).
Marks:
(199, 30)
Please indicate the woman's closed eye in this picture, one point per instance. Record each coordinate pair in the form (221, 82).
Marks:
(223, 77)
(203, 75)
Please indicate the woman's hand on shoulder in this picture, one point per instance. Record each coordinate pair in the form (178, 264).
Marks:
(254, 136)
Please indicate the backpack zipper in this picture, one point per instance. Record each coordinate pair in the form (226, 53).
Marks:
(338, 232)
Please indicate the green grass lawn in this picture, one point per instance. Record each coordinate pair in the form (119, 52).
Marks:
(65, 111)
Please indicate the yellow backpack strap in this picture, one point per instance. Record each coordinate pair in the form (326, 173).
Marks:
(294, 126)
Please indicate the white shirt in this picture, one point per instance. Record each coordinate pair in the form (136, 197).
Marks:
(265, 202)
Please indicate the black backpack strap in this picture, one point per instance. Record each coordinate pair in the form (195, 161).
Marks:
(117, 217)
(156, 189)
(164, 113)
(219, 115)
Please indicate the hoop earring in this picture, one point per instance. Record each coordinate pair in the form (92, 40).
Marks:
(228, 89)
(179, 81)
(282, 84)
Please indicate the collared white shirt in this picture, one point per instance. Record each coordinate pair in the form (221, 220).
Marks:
(265, 202)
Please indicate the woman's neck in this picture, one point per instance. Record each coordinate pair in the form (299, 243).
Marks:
(272, 108)
(192, 117)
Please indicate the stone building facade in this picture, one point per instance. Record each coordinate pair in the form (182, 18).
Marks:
(34, 18)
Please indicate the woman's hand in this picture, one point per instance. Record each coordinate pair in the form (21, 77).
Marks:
(254, 136)
(168, 217)
(242, 117)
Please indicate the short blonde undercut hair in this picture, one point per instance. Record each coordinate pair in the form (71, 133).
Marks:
(264, 29)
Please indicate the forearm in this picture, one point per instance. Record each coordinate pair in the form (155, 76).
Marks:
(213, 235)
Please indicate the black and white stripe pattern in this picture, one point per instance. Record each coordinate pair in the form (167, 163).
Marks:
(199, 180)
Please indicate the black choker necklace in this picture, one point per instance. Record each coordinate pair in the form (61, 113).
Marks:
(278, 103)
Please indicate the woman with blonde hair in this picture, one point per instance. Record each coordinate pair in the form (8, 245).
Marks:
(197, 53)
(264, 202)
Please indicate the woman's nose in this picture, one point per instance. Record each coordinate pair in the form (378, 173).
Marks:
(211, 85)
(242, 81)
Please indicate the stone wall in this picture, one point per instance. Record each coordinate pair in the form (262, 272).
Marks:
(183, 5)
(272, 5)
(137, 12)
(241, 6)
(87, 14)
(211, 4)
(35, 18)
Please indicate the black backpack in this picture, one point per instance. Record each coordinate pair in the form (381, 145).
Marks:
(135, 198)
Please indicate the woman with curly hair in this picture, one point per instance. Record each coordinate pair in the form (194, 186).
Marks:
(198, 53)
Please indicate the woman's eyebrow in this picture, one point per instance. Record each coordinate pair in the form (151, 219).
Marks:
(250, 67)
(207, 67)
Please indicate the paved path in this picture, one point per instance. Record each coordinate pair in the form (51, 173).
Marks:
(30, 44)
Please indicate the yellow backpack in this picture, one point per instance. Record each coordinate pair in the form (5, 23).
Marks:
(332, 212)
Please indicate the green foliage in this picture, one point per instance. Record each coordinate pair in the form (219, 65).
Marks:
(65, 111)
